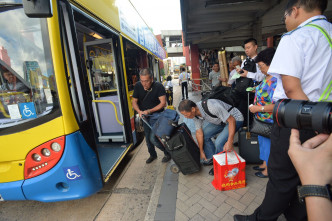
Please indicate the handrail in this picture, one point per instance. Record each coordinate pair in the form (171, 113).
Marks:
(11, 93)
(116, 112)
(3, 111)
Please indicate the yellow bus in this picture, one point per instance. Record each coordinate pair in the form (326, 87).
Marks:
(67, 73)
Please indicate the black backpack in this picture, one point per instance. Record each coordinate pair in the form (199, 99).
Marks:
(225, 94)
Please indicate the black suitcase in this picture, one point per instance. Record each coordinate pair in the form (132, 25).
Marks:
(248, 146)
(248, 143)
(184, 150)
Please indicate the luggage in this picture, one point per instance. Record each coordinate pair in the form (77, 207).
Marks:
(166, 124)
(225, 94)
(229, 171)
(184, 150)
(248, 146)
(248, 143)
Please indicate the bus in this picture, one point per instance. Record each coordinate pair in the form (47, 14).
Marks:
(67, 74)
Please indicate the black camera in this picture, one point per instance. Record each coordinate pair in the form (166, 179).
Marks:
(304, 115)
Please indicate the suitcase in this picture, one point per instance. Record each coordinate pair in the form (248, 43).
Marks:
(248, 146)
(248, 143)
(184, 150)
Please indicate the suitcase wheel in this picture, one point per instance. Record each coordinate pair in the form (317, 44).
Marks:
(174, 168)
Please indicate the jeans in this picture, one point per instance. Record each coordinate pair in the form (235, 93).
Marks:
(152, 140)
(209, 131)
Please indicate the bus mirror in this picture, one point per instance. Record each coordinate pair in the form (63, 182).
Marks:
(38, 8)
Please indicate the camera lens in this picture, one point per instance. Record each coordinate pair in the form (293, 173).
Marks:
(305, 115)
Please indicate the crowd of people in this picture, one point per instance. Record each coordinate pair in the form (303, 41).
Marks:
(298, 163)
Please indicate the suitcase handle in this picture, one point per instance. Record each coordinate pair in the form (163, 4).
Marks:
(226, 161)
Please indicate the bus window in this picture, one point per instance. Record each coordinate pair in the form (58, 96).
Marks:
(27, 83)
(136, 59)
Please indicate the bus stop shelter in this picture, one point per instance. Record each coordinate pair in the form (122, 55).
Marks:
(208, 24)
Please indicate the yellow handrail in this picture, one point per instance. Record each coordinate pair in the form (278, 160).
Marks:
(116, 112)
(3, 111)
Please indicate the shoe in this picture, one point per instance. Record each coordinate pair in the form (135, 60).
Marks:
(183, 98)
(260, 175)
(166, 158)
(258, 168)
(208, 162)
(211, 172)
(150, 159)
(241, 218)
(236, 144)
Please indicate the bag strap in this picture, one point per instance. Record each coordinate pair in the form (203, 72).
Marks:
(328, 90)
(206, 109)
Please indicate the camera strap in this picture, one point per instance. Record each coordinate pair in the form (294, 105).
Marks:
(328, 90)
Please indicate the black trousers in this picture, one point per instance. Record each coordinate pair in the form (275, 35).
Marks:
(184, 85)
(281, 193)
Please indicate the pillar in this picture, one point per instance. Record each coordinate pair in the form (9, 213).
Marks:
(269, 42)
(194, 57)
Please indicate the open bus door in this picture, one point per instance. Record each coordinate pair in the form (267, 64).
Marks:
(100, 86)
(104, 83)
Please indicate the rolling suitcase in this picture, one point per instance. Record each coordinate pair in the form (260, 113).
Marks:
(184, 150)
(248, 143)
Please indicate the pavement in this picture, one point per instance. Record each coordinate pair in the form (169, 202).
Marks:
(176, 196)
(140, 191)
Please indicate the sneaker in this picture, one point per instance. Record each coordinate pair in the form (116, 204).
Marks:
(166, 158)
(150, 159)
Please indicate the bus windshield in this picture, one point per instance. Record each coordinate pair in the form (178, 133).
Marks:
(27, 82)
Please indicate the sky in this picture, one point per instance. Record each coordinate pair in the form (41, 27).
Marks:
(160, 14)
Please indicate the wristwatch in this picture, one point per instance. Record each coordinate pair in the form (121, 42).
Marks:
(314, 190)
(262, 108)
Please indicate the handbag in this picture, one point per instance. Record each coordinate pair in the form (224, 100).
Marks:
(229, 171)
(261, 128)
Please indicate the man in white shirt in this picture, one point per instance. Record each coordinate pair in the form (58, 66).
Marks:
(214, 76)
(302, 64)
(183, 80)
(250, 47)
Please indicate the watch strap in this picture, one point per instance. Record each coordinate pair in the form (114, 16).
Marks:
(314, 190)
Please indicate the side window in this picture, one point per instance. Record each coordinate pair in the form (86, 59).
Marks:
(135, 59)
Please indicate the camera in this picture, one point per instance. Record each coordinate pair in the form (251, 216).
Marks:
(304, 115)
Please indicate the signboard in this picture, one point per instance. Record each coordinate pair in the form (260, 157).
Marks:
(133, 25)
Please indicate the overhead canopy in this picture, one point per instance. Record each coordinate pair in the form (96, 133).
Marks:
(221, 23)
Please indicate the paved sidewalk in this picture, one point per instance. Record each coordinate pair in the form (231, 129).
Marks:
(197, 199)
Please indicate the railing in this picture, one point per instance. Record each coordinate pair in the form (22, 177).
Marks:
(203, 86)
(115, 109)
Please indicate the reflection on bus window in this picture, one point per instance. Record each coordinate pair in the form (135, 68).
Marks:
(27, 82)
(136, 59)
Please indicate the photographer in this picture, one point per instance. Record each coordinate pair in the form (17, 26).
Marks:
(302, 65)
(313, 162)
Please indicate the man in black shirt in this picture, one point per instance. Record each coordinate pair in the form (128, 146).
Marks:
(149, 99)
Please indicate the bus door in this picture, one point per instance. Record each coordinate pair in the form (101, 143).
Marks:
(103, 79)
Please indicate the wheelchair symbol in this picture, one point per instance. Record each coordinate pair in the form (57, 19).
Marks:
(27, 112)
(72, 175)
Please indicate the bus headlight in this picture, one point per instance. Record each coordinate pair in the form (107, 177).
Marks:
(36, 157)
(46, 152)
(56, 147)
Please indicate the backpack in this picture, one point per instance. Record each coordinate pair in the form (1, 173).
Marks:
(226, 95)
